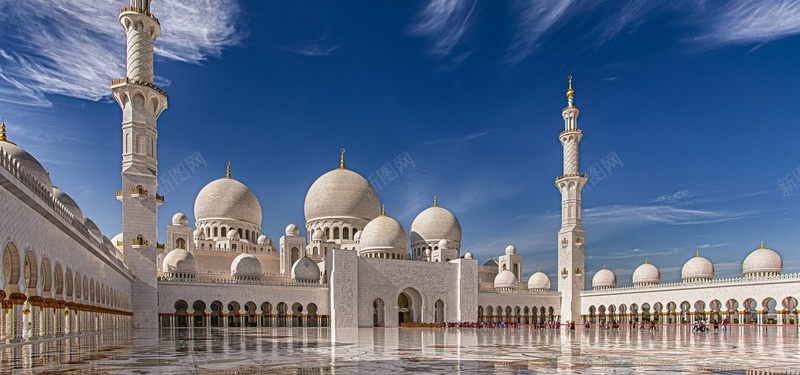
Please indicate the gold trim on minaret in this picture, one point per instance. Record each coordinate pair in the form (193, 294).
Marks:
(228, 174)
(570, 92)
(341, 166)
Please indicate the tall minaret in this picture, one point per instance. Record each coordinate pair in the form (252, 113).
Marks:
(570, 237)
(142, 103)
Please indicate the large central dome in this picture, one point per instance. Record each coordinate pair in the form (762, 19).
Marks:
(341, 193)
(227, 198)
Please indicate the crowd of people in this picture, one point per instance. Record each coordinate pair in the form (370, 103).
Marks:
(698, 326)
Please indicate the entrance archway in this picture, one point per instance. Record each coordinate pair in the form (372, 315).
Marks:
(409, 306)
(377, 312)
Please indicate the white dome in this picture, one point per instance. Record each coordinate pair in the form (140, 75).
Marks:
(443, 244)
(28, 163)
(93, 229)
(539, 281)
(505, 279)
(341, 193)
(245, 265)
(604, 278)
(233, 234)
(697, 268)
(384, 235)
(117, 239)
(227, 199)
(305, 269)
(762, 260)
(319, 235)
(67, 201)
(468, 255)
(292, 230)
(646, 274)
(180, 219)
(263, 240)
(179, 261)
(435, 223)
(357, 237)
(200, 234)
(510, 249)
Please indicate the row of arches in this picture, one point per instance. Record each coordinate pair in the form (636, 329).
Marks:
(523, 315)
(747, 311)
(248, 314)
(339, 232)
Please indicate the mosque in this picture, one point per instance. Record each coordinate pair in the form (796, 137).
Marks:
(356, 267)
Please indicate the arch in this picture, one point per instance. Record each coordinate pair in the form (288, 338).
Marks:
(297, 315)
(489, 314)
(684, 314)
(68, 284)
(700, 310)
(46, 277)
(59, 280)
(295, 255)
(409, 306)
(336, 233)
(30, 273)
(768, 311)
(378, 316)
(789, 310)
(283, 310)
(216, 319)
(233, 314)
(311, 311)
(91, 290)
(180, 243)
(481, 314)
(345, 233)
(11, 269)
(250, 318)
(438, 311)
(516, 271)
(198, 314)
(266, 314)
(181, 315)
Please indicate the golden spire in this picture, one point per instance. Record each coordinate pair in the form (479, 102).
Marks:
(383, 210)
(228, 175)
(538, 269)
(491, 257)
(341, 166)
(762, 244)
(698, 253)
(604, 266)
(3, 132)
(435, 203)
(570, 92)
(645, 260)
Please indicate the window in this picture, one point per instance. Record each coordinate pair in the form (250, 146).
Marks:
(346, 233)
(335, 233)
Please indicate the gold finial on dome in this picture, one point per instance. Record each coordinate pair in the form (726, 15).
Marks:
(228, 174)
(698, 253)
(383, 210)
(435, 202)
(645, 260)
(538, 269)
(604, 266)
(570, 92)
(341, 166)
(762, 244)
(3, 132)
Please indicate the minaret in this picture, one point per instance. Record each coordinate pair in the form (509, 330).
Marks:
(570, 237)
(142, 103)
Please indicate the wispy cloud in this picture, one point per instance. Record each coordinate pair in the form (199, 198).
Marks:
(635, 253)
(663, 214)
(74, 48)
(445, 23)
(750, 21)
(535, 19)
(467, 137)
(312, 48)
(708, 245)
(676, 196)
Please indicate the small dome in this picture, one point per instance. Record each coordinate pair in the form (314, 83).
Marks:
(357, 237)
(292, 230)
(341, 193)
(227, 199)
(490, 263)
(510, 249)
(93, 229)
(505, 279)
(117, 240)
(538, 281)
(428, 252)
(179, 261)
(435, 223)
(233, 234)
(697, 268)
(199, 234)
(443, 244)
(384, 235)
(762, 261)
(67, 201)
(319, 235)
(245, 265)
(604, 278)
(646, 274)
(180, 219)
(28, 163)
(305, 269)
(468, 255)
(263, 240)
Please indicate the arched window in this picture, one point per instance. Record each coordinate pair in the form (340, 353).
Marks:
(335, 233)
(223, 232)
(180, 243)
(247, 234)
(327, 232)
(208, 232)
(216, 233)
(516, 270)
(346, 233)
(240, 233)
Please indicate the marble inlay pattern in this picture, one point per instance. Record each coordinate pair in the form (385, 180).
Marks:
(407, 350)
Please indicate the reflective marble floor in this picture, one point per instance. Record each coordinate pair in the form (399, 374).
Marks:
(522, 350)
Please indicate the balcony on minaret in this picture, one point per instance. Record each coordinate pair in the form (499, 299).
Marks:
(159, 200)
(139, 193)
(119, 195)
(138, 242)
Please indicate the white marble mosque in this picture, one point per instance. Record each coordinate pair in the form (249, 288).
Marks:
(355, 267)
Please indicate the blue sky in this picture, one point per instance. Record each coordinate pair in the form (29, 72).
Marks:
(695, 99)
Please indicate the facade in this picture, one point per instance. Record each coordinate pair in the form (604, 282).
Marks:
(356, 266)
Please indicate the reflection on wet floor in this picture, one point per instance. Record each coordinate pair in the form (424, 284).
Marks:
(421, 350)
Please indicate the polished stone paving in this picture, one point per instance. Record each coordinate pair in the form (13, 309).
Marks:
(742, 350)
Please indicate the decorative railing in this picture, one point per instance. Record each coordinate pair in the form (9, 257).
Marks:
(10, 164)
(160, 198)
(570, 131)
(731, 280)
(570, 175)
(140, 83)
(205, 280)
(139, 190)
(119, 193)
(139, 242)
(139, 10)
(519, 291)
(160, 245)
